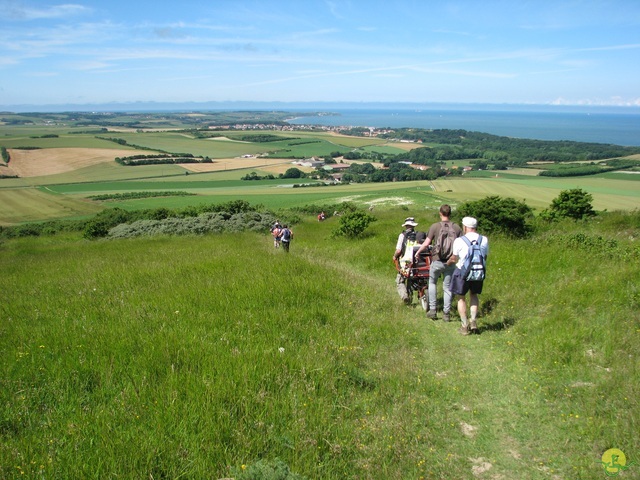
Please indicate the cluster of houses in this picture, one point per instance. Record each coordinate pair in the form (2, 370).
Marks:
(335, 169)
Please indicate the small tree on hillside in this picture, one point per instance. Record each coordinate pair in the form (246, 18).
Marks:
(574, 204)
(353, 224)
(498, 214)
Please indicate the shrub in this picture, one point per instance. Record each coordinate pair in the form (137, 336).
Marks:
(499, 215)
(214, 222)
(575, 203)
(353, 224)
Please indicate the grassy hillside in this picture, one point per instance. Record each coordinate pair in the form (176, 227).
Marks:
(199, 357)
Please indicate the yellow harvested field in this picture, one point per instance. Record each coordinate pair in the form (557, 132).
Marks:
(50, 161)
(530, 172)
(221, 164)
(404, 145)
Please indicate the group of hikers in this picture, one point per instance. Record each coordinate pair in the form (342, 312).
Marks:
(282, 236)
(458, 255)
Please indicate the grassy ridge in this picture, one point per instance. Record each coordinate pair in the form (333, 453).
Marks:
(191, 357)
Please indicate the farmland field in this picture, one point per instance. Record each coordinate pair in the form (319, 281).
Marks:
(70, 167)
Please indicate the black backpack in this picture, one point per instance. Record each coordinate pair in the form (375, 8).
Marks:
(443, 248)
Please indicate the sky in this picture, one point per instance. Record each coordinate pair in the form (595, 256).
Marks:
(548, 52)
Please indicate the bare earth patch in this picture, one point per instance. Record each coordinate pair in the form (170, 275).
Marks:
(480, 466)
(49, 161)
(468, 430)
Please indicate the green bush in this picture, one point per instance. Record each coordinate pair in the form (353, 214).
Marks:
(499, 215)
(353, 224)
(575, 203)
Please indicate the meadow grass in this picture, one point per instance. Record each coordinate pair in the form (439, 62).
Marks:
(31, 205)
(191, 357)
(62, 141)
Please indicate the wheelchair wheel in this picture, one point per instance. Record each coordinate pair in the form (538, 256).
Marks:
(424, 301)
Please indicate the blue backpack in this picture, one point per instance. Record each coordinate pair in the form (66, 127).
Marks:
(474, 268)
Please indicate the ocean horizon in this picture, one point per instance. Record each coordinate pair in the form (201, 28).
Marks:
(591, 125)
(618, 125)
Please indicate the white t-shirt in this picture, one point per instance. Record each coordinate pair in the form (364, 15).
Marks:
(461, 250)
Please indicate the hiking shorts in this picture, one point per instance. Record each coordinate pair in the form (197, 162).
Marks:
(459, 286)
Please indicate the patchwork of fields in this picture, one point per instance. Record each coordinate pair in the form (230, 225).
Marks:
(56, 173)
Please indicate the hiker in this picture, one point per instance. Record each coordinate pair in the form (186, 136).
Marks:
(322, 217)
(286, 237)
(276, 231)
(440, 237)
(459, 284)
(404, 246)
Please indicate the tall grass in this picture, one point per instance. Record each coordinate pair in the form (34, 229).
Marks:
(193, 357)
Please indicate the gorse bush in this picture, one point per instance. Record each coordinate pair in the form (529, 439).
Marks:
(207, 223)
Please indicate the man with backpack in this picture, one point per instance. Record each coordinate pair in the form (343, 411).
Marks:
(286, 237)
(469, 256)
(441, 236)
(404, 247)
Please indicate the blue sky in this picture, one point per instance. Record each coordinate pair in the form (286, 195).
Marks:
(582, 52)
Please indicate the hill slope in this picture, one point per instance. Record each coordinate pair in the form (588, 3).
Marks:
(195, 356)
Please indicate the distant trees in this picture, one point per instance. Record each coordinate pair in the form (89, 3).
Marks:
(462, 144)
(293, 173)
(161, 159)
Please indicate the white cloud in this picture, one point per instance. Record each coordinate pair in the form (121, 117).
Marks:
(15, 11)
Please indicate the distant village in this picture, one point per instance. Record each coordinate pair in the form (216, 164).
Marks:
(364, 131)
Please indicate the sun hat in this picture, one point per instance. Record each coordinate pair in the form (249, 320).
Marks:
(409, 222)
(470, 222)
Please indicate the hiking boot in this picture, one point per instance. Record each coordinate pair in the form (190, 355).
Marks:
(464, 330)
(432, 314)
(406, 300)
(446, 317)
(473, 326)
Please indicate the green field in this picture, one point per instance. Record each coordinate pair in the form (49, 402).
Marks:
(64, 195)
(196, 357)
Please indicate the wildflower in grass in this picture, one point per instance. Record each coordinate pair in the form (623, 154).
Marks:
(281, 349)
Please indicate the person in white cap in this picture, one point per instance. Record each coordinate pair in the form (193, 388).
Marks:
(407, 236)
(461, 286)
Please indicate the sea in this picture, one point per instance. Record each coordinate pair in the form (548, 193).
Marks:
(609, 125)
